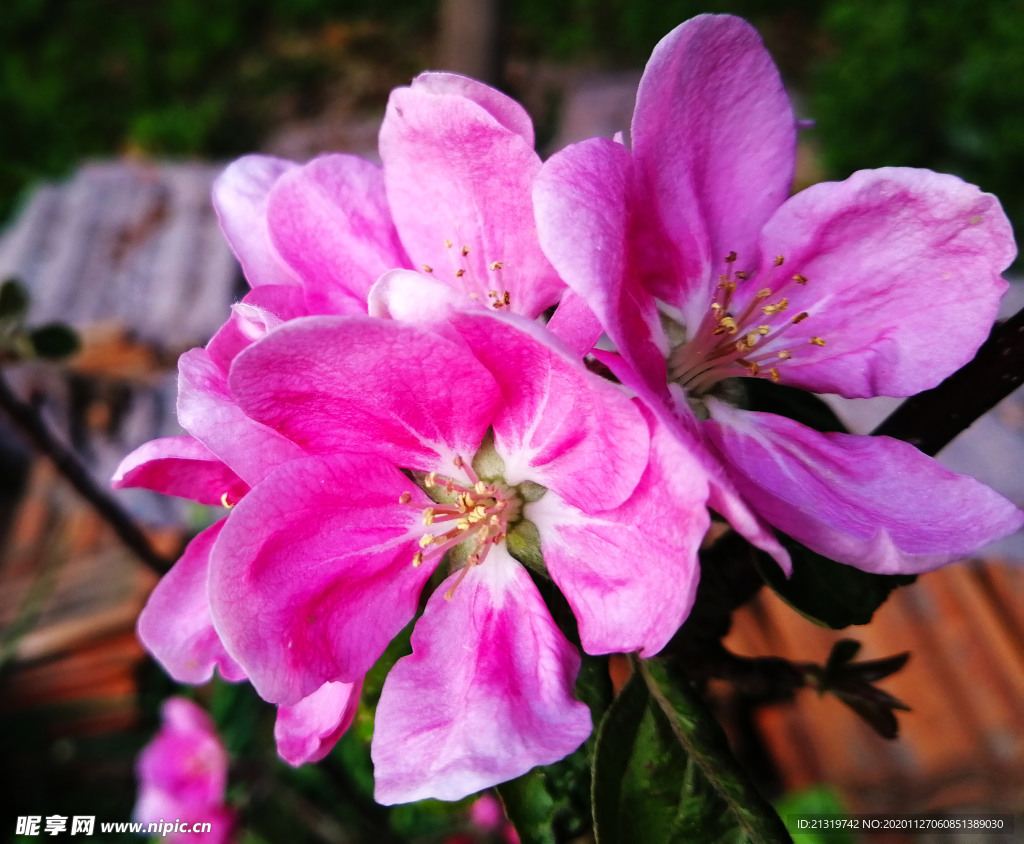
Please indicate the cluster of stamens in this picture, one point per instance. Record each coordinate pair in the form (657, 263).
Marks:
(727, 343)
(479, 512)
(498, 299)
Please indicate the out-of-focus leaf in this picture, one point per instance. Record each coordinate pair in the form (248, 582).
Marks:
(663, 771)
(820, 800)
(798, 405)
(13, 300)
(54, 341)
(828, 593)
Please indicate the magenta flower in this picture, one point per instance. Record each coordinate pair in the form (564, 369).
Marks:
(451, 208)
(323, 562)
(701, 271)
(176, 626)
(183, 774)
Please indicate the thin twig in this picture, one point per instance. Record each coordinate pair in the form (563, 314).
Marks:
(31, 422)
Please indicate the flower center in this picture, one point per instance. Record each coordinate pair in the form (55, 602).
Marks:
(475, 512)
(740, 334)
(476, 288)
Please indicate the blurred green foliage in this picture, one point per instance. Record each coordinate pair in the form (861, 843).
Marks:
(935, 85)
(889, 81)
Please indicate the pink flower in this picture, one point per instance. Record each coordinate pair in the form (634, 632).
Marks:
(702, 271)
(176, 626)
(183, 774)
(450, 208)
(323, 562)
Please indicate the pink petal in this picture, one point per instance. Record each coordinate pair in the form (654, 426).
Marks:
(584, 199)
(575, 324)
(308, 730)
(331, 223)
(714, 137)
(504, 109)
(457, 174)
(180, 466)
(871, 502)
(561, 426)
(486, 695)
(313, 575)
(360, 384)
(409, 296)
(903, 283)
(240, 199)
(175, 626)
(630, 574)
(674, 415)
(208, 411)
(259, 311)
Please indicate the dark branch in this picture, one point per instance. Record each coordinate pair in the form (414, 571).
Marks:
(68, 464)
(932, 419)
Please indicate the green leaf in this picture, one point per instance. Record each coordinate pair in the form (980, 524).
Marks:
(553, 803)
(663, 771)
(13, 300)
(793, 403)
(54, 341)
(828, 593)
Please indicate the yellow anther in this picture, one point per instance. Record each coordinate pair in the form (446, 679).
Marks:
(764, 329)
(460, 273)
(448, 244)
(493, 294)
(496, 265)
(799, 279)
(753, 367)
(430, 480)
(785, 354)
(779, 260)
(763, 293)
(417, 559)
(730, 258)
(465, 250)
(480, 487)
(716, 306)
(773, 373)
(428, 516)
(777, 308)
(462, 524)
(725, 284)
(726, 325)
(817, 341)
(225, 502)
(427, 269)
(404, 498)
(742, 276)
(751, 339)
(426, 540)
(800, 317)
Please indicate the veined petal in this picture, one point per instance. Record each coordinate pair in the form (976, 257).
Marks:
(871, 502)
(313, 574)
(505, 110)
(240, 200)
(368, 385)
(584, 198)
(560, 425)
(308, 730)
(630, 574)
(458, 182)
(331, 223)
(180, 466)
(175, 626)
(486, 695)
(575, 324)
(902, 279)
(208, 411)
(714, 137)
